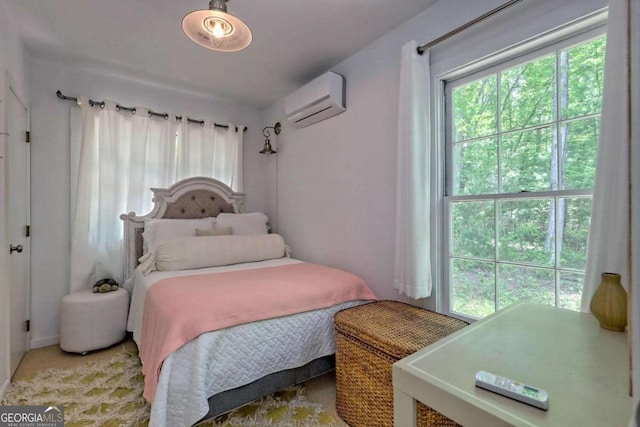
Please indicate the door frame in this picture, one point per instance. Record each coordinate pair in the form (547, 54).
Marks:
(5, 364)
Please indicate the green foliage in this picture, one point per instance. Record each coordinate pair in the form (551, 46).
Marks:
(526, 157)
(472, 287)
(582, 149)
(523, 225)
(475, 109)
(528, 94)
(585, 69)
(516, 283)
(477, 162)
(576, 233)
(530, 128)
(570, 290)
(473, 231)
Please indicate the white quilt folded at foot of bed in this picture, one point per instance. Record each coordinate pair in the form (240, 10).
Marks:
(226, 359)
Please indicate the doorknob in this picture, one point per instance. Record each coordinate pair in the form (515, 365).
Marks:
(13, 249)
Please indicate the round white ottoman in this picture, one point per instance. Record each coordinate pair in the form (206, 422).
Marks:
(91, 321)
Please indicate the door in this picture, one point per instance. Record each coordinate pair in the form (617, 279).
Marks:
(17, 206)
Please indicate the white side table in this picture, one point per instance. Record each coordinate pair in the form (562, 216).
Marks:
(584, 368)
(90, 321)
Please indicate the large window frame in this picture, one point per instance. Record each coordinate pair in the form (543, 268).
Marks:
(553, 41)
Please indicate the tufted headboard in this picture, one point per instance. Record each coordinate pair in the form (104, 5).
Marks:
(196, 197)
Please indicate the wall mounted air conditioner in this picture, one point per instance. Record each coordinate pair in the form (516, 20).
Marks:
(320, 99)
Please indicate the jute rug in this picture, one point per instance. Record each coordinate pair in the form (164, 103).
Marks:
(109, 393)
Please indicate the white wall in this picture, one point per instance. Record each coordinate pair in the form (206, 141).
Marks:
(50, 166)
(336, 179)
(11, 61)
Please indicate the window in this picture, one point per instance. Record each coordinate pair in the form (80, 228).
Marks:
(521, 142)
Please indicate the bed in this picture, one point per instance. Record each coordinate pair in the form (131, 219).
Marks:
(220, 370)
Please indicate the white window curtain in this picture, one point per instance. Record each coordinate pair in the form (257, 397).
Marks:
(609, 234)
(412, 272)
(210, 150)
(121, 156)
(615, 216)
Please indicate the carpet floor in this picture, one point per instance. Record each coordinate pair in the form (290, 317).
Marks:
(105, 389)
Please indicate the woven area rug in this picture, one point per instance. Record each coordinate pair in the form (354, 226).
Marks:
(109, 393)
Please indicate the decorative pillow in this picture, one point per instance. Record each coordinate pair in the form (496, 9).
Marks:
(211, 251)
(244, 223)
(157, 231)
(215, 231)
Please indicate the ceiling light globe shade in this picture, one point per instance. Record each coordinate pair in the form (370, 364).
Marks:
(217, 30)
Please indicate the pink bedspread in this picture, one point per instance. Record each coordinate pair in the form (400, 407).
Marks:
(179, 309)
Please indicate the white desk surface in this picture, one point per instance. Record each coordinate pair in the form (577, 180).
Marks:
(584, 368)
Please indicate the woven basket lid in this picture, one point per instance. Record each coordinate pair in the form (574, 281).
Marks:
(395, 328)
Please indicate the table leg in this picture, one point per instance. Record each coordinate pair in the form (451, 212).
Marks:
(404, 409)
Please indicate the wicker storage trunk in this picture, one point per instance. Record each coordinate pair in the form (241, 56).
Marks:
(369, 339)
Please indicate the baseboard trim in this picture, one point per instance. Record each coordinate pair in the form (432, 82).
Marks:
(3, 388)
(45, 342)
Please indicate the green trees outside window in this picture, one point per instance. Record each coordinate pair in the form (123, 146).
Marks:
(521, 168)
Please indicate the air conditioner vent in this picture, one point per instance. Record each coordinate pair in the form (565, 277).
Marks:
(318, 100)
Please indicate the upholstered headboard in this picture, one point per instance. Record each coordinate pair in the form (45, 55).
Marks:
(196, 197)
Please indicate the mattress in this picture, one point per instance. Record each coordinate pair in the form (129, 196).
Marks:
(232, 357)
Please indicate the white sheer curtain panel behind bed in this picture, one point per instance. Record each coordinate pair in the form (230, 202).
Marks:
(210, 150)
(119, 158)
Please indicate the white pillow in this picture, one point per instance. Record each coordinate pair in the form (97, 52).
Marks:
(157, 231)
(244, 223)
(211, 251)
(215, 231)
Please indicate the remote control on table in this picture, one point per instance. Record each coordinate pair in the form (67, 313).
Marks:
(513, 389)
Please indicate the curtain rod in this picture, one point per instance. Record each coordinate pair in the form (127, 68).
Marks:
(425, 47)
(150, 113)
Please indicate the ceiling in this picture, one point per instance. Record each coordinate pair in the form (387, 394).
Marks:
(293, 40)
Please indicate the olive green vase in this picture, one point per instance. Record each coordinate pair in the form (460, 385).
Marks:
(609, 303)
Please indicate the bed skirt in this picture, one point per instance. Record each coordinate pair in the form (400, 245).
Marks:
(226, 401)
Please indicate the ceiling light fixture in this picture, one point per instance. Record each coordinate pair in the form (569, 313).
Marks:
(217, 30)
